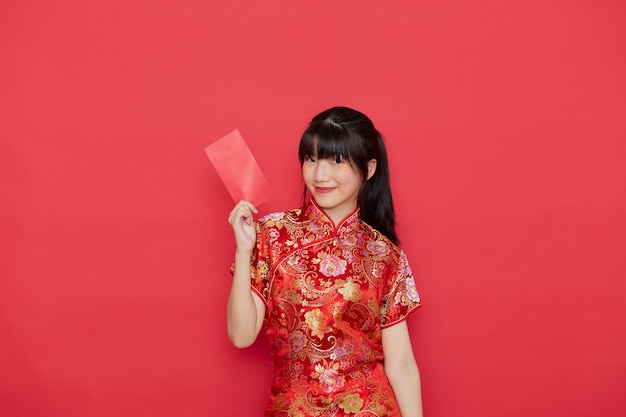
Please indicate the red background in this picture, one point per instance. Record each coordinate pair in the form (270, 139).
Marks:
(505, 123)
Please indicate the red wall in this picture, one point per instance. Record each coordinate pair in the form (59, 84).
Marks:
(506, 130)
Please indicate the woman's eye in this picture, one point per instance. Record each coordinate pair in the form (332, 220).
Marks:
(310, 159)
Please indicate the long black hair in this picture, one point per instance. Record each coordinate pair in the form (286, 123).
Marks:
(347, 134)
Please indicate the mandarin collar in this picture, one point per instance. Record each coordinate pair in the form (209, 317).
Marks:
(316, 214)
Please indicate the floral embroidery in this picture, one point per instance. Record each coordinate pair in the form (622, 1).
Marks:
(332, 266)
(378, 270)
(262, 268)
(274, 216)
(351, 403)
(330, 379)
(350, 291)
(411, 290)
(342, 350)
(293, 296)
(377, 408)
(329, 292)
(377, 248)
(297, 341)
(349, 241)
(281, 401)
(316, 321)
(399, 299)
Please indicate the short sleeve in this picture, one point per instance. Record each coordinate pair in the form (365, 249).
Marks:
(401, 296)
(259, 264)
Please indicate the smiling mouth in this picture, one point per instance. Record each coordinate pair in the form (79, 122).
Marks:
(323, 190)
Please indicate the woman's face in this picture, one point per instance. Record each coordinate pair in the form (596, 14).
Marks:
(334, 184)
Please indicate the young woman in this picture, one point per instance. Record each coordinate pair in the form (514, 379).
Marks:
(330, 283)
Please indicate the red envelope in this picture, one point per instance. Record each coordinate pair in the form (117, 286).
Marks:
(238, 169)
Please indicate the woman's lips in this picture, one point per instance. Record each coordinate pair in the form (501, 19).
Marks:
(323, 190)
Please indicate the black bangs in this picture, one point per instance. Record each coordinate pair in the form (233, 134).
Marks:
(327, 140)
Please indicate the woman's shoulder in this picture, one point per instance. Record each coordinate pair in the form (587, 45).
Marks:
(374, 234)
(279, 218)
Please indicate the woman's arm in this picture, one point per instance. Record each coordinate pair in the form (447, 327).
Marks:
(245, 310)
(402, 370)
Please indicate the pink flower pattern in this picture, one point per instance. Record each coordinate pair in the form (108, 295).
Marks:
(332, 266)
(331, 380)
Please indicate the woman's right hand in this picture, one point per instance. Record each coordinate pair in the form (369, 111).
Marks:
(242, 222)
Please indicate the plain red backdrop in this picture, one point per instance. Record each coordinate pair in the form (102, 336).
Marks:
(506, 127)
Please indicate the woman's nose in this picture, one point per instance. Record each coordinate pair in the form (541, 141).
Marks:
(321, 171)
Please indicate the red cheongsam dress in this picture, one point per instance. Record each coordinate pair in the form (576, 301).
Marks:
(329, 290)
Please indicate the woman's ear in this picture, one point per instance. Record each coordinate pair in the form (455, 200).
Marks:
(371, 168)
